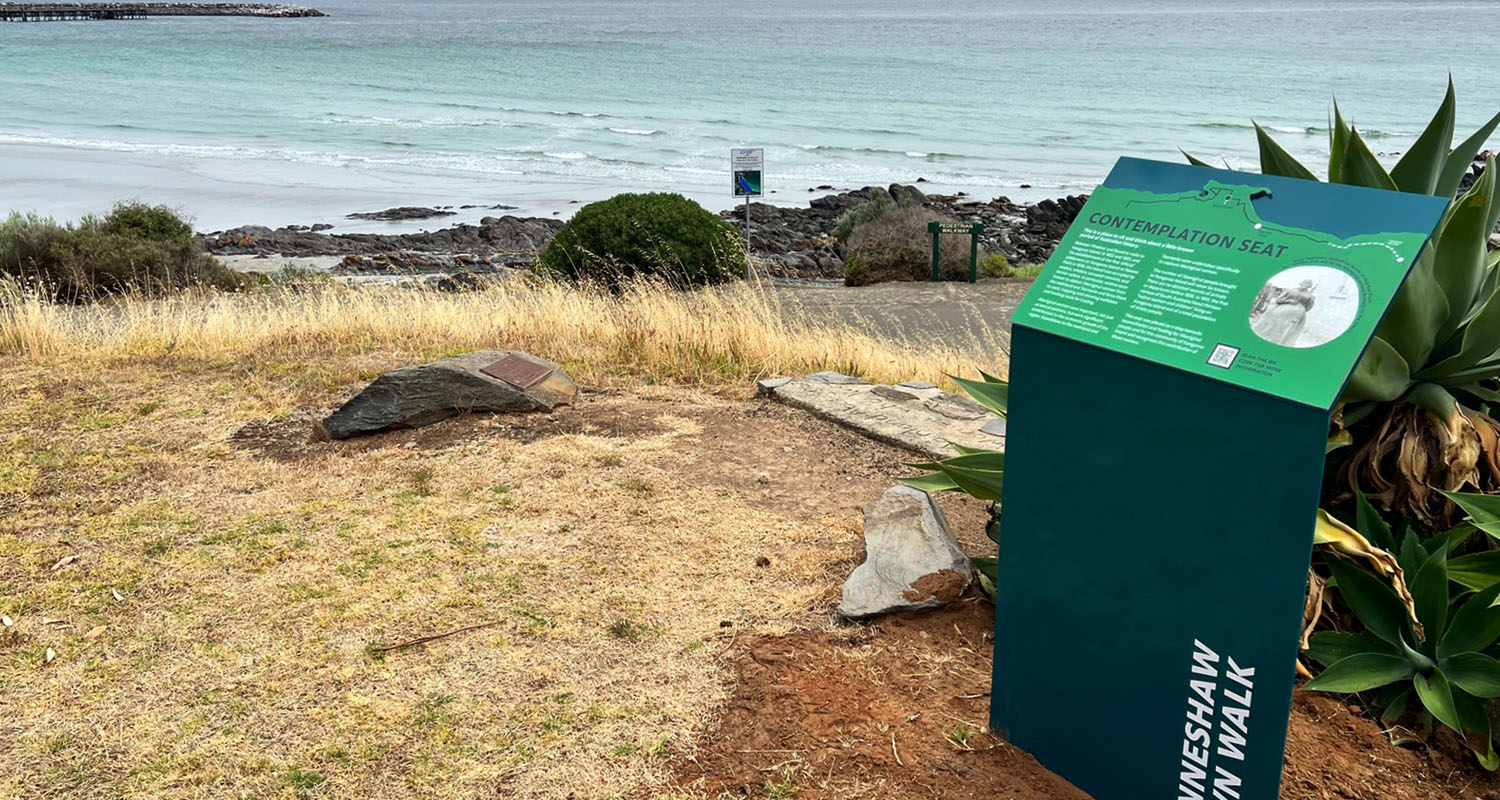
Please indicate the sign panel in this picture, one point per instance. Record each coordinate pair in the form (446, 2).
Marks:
(746, 164)
(1146, 649)
(1208, 279)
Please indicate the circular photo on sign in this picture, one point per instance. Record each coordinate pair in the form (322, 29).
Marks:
(1305, 306)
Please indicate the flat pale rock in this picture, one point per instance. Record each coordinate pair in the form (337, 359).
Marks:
(916, 415)
(415, 396)
(912, 561)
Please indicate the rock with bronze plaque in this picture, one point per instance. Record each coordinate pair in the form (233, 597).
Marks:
(485, 380)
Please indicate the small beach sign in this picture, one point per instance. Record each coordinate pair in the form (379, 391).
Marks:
(746, 165)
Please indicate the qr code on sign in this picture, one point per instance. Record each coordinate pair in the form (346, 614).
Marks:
(1223, 356)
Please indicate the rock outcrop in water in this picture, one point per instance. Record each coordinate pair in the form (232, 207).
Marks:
(789, 242)
(495, 243)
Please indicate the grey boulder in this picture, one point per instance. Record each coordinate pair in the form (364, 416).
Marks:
(415, 396)
(912, 561)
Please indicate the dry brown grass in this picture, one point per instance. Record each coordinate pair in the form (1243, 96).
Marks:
(726, 335)
(191, 619)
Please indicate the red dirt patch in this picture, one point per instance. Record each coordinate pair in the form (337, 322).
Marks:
(945, 585)
(882, 710)
(890, 710)
(1333, 752)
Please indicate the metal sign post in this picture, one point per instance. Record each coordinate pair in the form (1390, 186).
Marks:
(746, 165)
(970, 229)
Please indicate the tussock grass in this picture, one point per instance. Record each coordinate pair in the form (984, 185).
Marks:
(714, 336)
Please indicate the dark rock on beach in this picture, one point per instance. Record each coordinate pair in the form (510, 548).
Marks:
(402, 213)
(495, 243)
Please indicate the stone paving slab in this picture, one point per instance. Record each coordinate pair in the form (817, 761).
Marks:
(916, 415)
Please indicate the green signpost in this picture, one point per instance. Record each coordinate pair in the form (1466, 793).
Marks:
(1172, 373)
(970, 229)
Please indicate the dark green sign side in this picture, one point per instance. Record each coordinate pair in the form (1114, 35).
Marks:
(1149, 511)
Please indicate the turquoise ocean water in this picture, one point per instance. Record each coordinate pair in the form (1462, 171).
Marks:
(536, 104)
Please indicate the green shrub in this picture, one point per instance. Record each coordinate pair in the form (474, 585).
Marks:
(895, 246)
(878, 202)
(660, 235)
(136, 248)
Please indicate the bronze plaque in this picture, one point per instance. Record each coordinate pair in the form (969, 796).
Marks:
(519, 372)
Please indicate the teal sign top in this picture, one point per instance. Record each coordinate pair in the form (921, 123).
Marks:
(1199, 272)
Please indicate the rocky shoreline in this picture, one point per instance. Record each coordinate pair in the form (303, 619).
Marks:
(786, 242)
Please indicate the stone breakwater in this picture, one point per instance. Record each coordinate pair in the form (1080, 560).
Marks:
(788, 242)
(46, 12)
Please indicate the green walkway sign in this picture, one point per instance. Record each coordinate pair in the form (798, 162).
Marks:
(969, 229)
(1172, 373)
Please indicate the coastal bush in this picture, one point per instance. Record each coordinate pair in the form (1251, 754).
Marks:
(895, 246)
(878, 202)
(660, 235)
(136, 248)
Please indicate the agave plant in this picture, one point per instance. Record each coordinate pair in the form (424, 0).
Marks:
(1417, 405)
(1428, 660)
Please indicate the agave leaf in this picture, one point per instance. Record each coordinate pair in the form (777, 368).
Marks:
(1475, 719)
(1481, 339)
(1276, 161)
(1494, 215)
(1197, 162)
(1370, 524)
(1438, 402)
(983, 484)
(1475, 673)
(935, 482)
(1430, 591)
(965, 450)
(1360, 673)
(1451, 539)
(1380, 607)
(1475, 626)
(991, 378)
(1361, 167)
(1418, 312)
(1421, 167)
(1477, 571)
(1462, 156)
(1483, 510)
(1330, 647)
(1484, 393)
(1437, 697)
(1460, 257)
(986, 570)
(1338, 142)
(1381, 375)
(992, 394)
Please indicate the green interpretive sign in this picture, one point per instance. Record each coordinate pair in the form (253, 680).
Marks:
(1172, 373)
(1198, 281)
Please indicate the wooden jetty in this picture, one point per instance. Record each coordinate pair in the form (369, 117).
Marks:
(61, 12)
